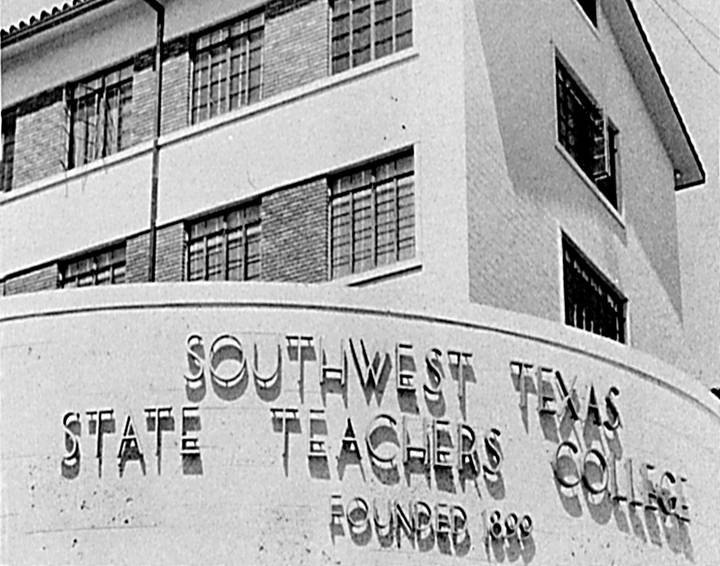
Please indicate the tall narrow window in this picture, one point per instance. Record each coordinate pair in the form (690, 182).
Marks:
(225, 246)
(8, 150)
(363, 30)
(591, 302)
(227, 68)
(586, 134)
(372, 213)
(104, 267)
(100, 110)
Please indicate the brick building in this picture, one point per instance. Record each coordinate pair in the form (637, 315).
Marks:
(311, 128)
(516, 155)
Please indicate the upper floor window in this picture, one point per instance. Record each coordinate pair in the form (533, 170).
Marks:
(590, 9)
(591, 302)
(225, 246)
(227, 68)
(363, 30)
(372, 215)
(8, 151)
(99, 112)
(103, 267)
(586, 134)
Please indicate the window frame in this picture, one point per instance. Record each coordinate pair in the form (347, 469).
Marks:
(251, 218)
(227, 42)
(595, 280)
(605, 184)
(372, 166)
(611, 192)
(372, 25)
(96, 267)
(125, 77)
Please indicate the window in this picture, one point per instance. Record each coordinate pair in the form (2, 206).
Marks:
(591, 302)
(227, 70)
(590, 9)
(225, 246)
(363, 30)
(100, 109)
(8, 151)
(372, 216)
(104, 267)
(586, 134)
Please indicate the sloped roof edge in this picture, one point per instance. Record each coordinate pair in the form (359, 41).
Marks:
(656, 93)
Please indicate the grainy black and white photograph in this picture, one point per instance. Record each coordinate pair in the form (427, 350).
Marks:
(360, 282)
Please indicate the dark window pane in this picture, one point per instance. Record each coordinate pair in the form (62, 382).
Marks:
(372, 216)
(591, 303)
(105, 267)
(363, 30)
(225, 246)
(233, 56)
(100, 108)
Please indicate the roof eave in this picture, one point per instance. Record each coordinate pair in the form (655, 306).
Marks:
(658, 98)
(48, 22)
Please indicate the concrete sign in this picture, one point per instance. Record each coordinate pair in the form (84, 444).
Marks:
(190, 426)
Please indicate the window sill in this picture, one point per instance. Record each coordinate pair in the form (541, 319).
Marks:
(609, 207)
(378, 274)
(72, 174)
(292, 95)
(586, 18)
(588, 332)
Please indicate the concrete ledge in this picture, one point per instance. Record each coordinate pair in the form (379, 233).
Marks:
(366, 301)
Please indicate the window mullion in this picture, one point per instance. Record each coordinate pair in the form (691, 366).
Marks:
(244, 248)
(208, 85)
(351, 9)
(205, 257)
(396, 195)
(246, 68)
(351, 196)
(100, 118)
(373, 218)
(372, 30)
(393, 20)
(228, 72)
(224, 253)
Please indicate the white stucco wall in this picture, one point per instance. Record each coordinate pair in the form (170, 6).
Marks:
(125, 349)
(546, 194)
(68, 213)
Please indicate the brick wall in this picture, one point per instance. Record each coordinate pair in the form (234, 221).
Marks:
(294, 233)
(176, 69)
(136, 258)
(296, 44)
(170, 253)
(142, 119)
(175, 97)
(39, 279)
(41, 136)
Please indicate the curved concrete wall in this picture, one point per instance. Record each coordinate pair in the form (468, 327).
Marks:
(257, 466)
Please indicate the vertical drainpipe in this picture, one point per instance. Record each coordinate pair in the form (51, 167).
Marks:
(160, 31)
